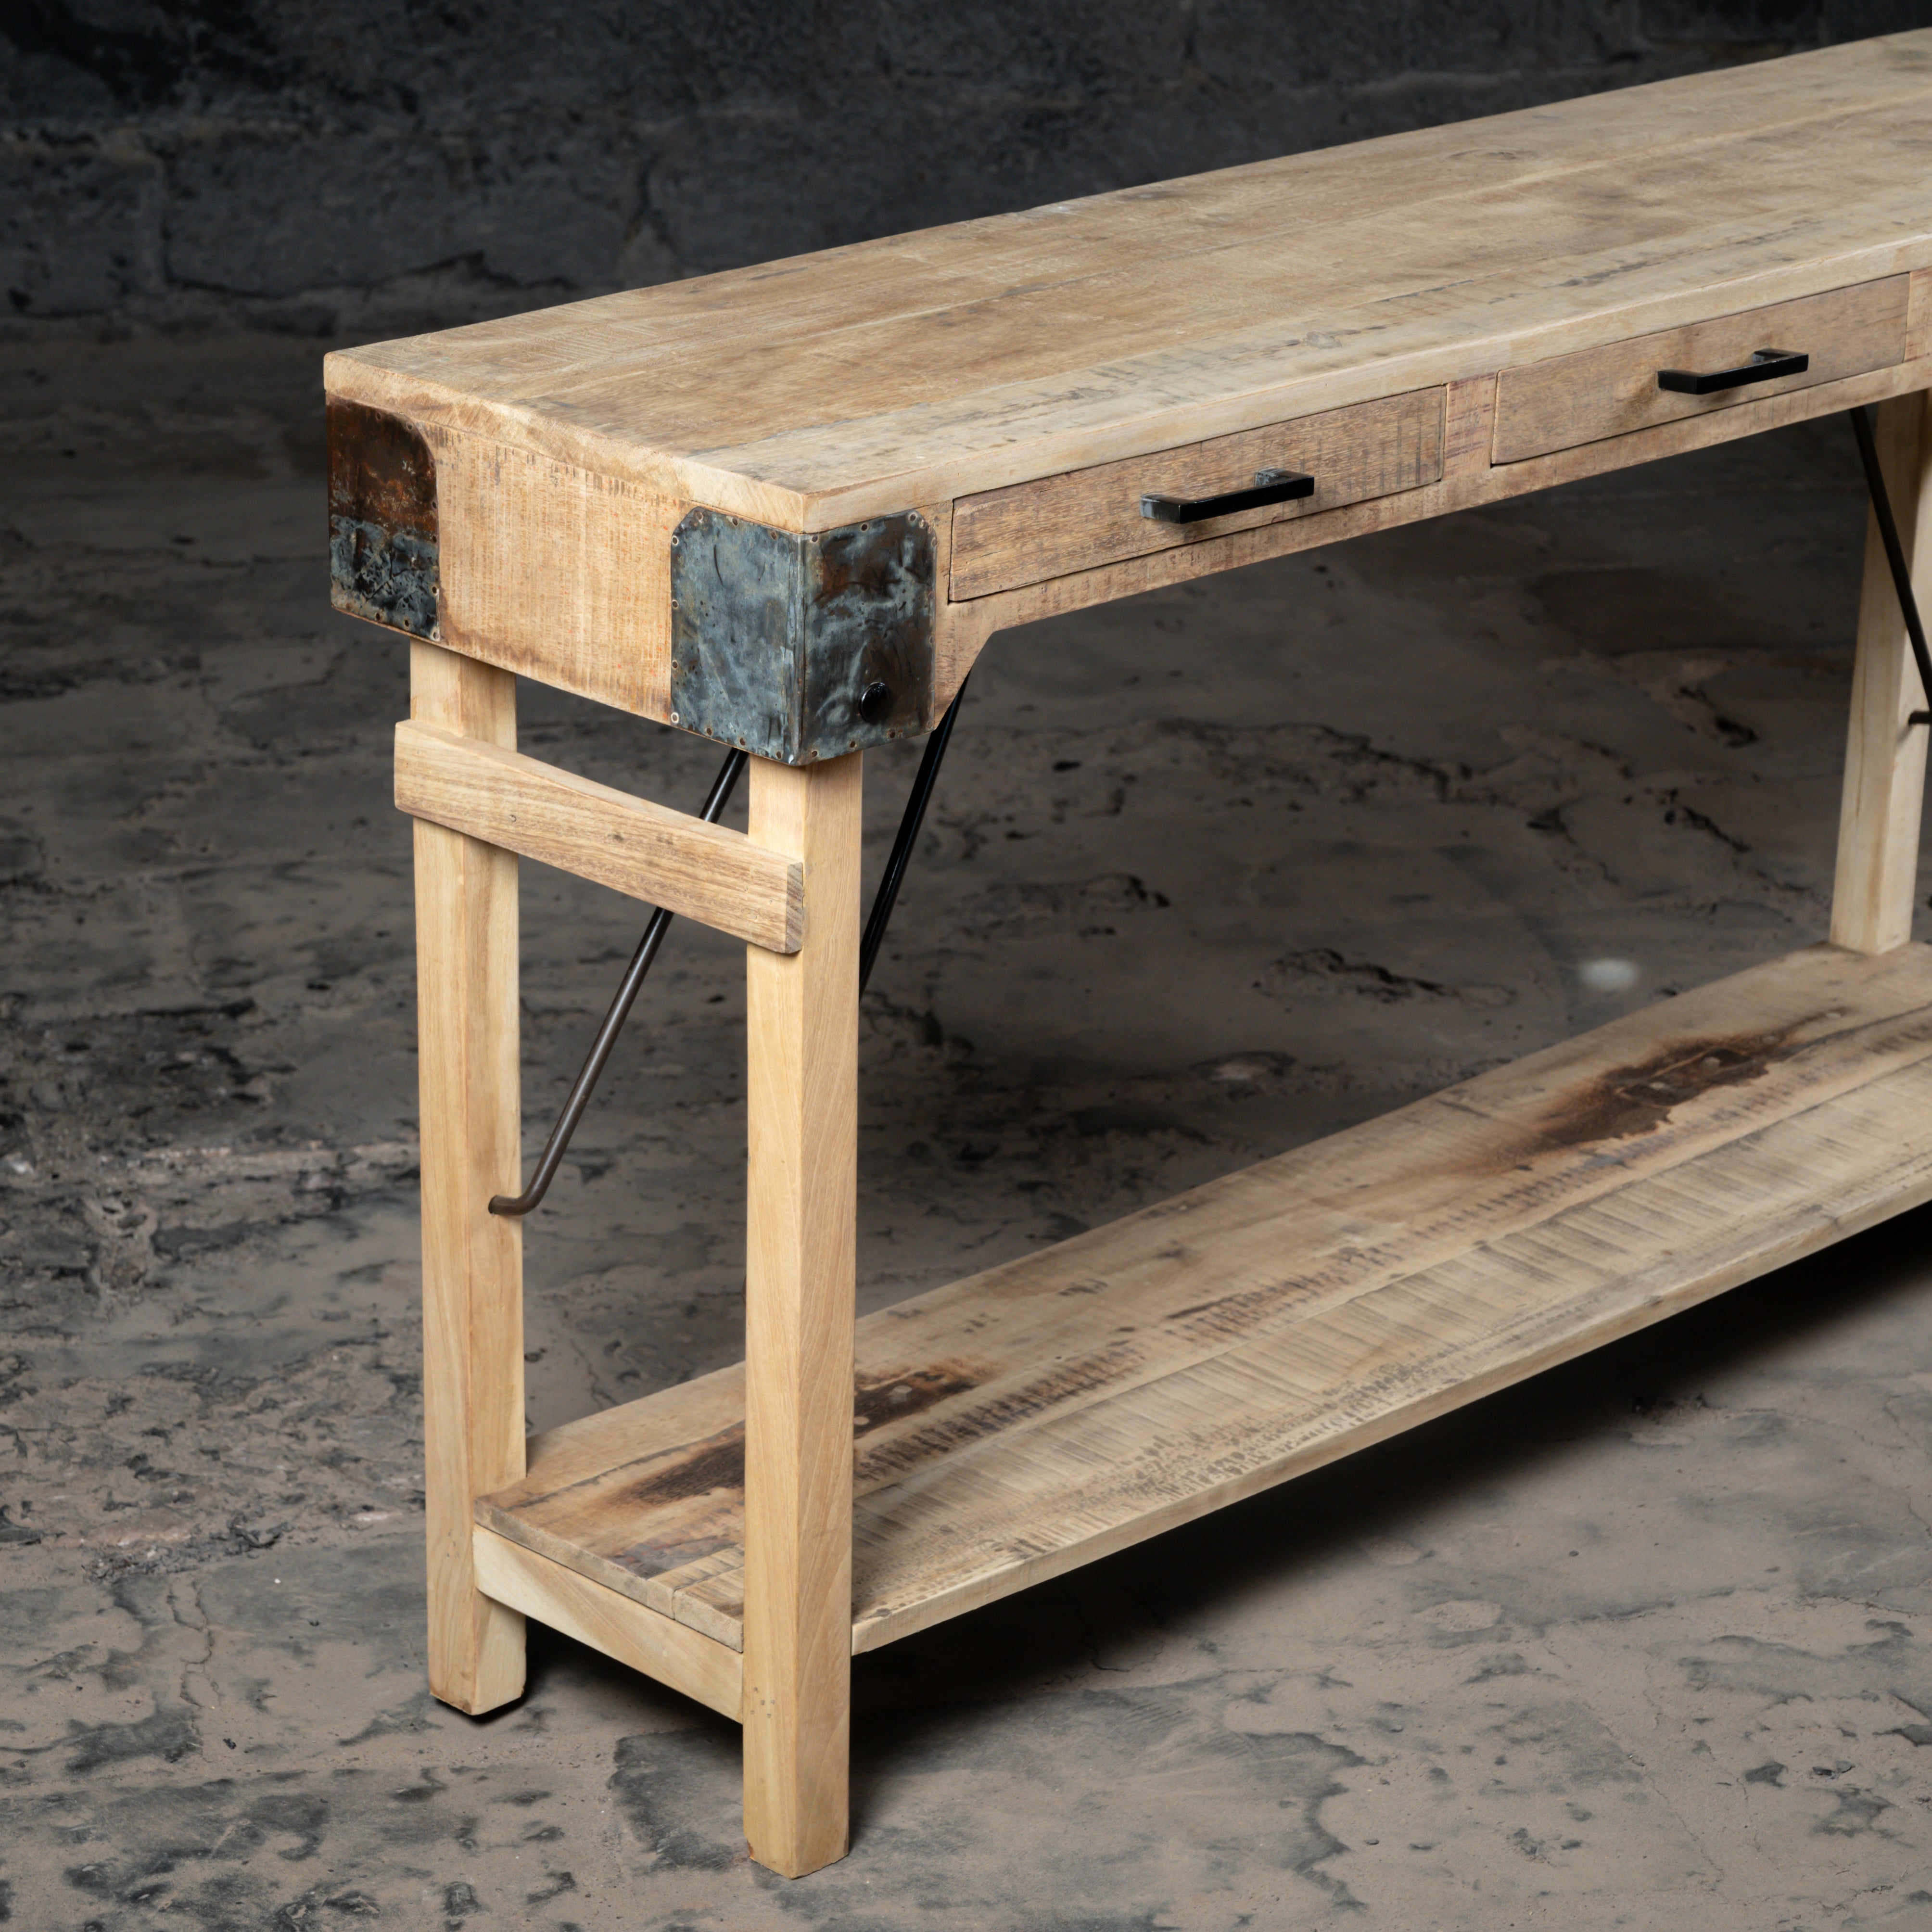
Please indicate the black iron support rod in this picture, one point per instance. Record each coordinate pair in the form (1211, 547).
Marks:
(1895, 555)
(881, 914)
(555, 1147)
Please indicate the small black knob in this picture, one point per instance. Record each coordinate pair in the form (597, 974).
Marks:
(874, 702)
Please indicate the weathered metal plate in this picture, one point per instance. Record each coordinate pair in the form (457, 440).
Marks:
(736, 631)
(381, 520)
(801, 647)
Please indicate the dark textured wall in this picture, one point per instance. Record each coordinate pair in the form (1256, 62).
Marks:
(374, 162)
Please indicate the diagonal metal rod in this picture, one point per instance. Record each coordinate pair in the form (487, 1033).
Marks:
(881, 914)
(1895, 555)
(585, 1082)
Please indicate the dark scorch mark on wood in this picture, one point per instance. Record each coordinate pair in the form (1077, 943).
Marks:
(383, 560)
(884, 1398)
(1618, 1104)
(1063, 1383)
(652, 1559)
(715, 1467)
(718, 1461)
(1625, 1101)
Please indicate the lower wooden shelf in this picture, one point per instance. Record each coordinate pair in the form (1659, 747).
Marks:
(1021, 1422)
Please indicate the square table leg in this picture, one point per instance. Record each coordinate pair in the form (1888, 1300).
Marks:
(1884, 759)
(802, 1015)
(473, 1260)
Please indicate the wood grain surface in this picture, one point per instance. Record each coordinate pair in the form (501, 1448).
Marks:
(802, 1097)
(1468, 478)
(467, 1032)
(706, 872)
(1023, 1421)
(555, 570)
(920, 367)
(1609, 391)
(1093, 516)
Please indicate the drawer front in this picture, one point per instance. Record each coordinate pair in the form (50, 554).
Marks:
(1611, 391)
(1030, 531)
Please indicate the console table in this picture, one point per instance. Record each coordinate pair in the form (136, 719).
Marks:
(785, 509)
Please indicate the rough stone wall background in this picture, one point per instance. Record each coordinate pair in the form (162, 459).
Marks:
(363, 164)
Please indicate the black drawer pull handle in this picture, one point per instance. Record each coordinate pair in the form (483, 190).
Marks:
(1766, 365)
(1271, 486)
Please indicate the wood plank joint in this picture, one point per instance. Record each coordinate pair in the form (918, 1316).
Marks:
(521, 1580)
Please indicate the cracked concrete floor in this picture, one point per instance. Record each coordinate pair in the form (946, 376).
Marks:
(1646, 1643)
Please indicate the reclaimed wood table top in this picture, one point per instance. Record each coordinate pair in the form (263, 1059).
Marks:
(861, 380)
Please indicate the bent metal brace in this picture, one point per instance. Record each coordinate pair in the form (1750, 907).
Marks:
(582, 1088)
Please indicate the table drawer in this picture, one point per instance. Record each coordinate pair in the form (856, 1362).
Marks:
(1609, 392)
(1052, 527)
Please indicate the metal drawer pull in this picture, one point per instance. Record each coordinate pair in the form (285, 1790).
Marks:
(1766, 365)
(1271, 486)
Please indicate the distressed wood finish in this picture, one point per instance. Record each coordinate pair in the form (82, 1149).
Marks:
(706, 872)
(1031, 531)
(473, 1260)
(865, 380)
(670, 1493)
(618, 1626)
(802, 1028)
(1023, 1421)
(1612, 390)
(555, 570)
(1885, 756)
(1468, 478)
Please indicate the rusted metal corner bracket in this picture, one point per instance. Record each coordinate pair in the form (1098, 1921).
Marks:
(381, 520)
(795, 647)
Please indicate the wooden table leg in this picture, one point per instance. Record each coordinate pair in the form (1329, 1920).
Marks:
(802, 1025)
(473, 1260)
(1884, 760)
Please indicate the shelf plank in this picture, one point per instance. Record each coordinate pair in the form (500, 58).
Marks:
(1017, 1424)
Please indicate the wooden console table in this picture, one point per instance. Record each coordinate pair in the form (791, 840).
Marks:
(785, 508)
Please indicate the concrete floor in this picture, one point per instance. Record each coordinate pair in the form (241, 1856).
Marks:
(1646, 1643)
